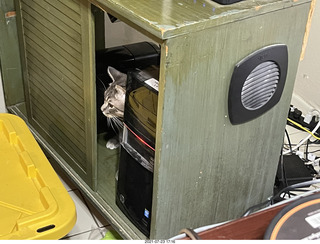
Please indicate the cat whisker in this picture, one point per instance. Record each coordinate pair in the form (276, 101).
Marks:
(120, 125)
(108, 121)
(112, 125)
(117, 123)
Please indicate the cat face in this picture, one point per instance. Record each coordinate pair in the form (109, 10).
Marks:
(114, 96)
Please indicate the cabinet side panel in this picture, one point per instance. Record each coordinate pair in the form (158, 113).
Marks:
(10, 55)
(58, 60)
(208, 170)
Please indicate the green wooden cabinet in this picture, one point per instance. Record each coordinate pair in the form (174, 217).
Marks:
(206, 169)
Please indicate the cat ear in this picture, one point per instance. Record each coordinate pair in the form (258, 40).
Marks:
(116, 75)
(111, 72)
(120, 92)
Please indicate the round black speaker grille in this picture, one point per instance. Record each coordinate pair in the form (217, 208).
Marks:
(260, 85)
(257, 83)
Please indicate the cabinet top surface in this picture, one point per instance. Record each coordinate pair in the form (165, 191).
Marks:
(169, 18)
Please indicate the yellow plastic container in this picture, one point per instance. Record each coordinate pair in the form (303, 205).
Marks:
(33, 202)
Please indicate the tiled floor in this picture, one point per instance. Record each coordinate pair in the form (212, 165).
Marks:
(90, 224)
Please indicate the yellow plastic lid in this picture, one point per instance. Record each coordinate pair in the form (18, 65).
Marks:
(33, 202)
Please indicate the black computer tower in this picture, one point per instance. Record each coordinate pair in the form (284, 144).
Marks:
(123, 58)
(135, 176)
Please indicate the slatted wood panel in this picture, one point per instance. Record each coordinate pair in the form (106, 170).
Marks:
(55, 34)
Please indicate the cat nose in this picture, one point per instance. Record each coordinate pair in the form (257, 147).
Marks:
(103, 107)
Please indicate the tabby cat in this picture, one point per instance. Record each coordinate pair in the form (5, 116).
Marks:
(114, 99)
(113, 106)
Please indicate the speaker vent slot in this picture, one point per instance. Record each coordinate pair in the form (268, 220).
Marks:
(260, 85)
(257, 83)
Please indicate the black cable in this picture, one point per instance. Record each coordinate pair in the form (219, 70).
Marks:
(283, 172)
(290, 145)
(316, 141)
(294, 126)
(302, 190)
(310, 143)
(249, 210)
(288, 188)
(307, 147)
(294, 186)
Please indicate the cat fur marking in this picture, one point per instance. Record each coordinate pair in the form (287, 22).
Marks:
(114, 96)
(113, 106)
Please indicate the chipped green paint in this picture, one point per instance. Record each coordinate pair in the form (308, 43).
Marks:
(168, 18)
(10, 54)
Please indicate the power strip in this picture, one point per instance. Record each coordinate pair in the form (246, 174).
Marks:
(296, 115)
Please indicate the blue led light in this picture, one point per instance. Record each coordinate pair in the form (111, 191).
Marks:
(146, 213)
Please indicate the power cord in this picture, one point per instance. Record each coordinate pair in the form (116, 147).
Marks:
(306, 130)
(307, 138)
(308, 121)
(289, 141)
(270, 201)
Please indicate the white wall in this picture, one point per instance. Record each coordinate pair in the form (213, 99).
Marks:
(307, 87)
(2, 104)
(119, 33)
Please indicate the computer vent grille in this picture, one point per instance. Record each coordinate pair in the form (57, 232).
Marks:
(260, 85)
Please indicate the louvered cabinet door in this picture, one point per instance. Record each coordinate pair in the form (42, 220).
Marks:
(58, 60)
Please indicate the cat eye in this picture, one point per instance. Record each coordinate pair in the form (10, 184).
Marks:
(111, 106)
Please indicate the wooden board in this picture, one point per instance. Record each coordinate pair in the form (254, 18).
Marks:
(10, 55)
(165, 19)
(58, 71)
(208, 170)
(252, 227)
